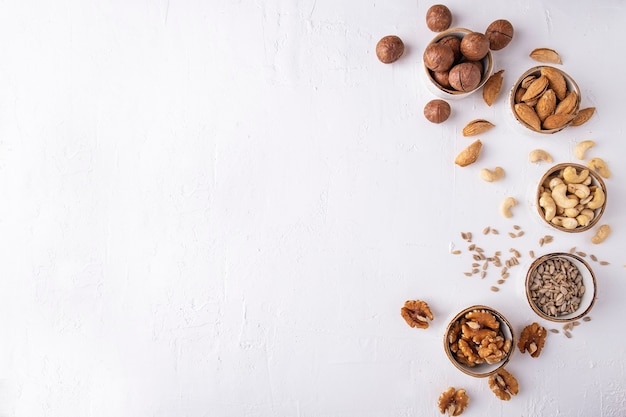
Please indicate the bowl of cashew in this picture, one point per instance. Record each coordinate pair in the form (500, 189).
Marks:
(479, 341)
(571, 197)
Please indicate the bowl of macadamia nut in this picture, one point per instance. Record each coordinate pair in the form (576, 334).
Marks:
(560, 287)
(571, 197)
(479, 341)
(545, 99)
(457, 62)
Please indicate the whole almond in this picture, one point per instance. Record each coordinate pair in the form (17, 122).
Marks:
(568, 104)
(519, 94)
(556, 81)
(536, 89)
(557, 120)
(583, 116)
(546, 104)
(492, 87)
(476, 127)
(528, 115)
(546, 55)
(527, 81)
(469, 155)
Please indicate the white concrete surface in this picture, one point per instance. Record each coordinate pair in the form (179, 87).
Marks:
(217, 208)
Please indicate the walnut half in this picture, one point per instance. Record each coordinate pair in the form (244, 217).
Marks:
(416, 313)
(503, 384)
(532, 339)
(453, 401)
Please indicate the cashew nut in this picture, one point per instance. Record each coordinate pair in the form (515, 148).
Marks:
(598, 199)
(572, 177)
(539, 155)
(554, 182)
(601, 234)
(560, 197)
(506, 206)
(598, 165)
(582, 148)
(571, 212)
(491, 176)
(565, 222)
(588, 213)
(579, 190)
(549, 206)
(583, 220)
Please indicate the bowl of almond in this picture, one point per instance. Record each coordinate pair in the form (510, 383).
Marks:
(479, 341)
(571, 197)
(545, 99)
(560, 287)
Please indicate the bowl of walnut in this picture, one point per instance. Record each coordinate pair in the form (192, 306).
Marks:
(457, 62)
(545, 99)
(479, 341)
(560, 287)
(571, 197)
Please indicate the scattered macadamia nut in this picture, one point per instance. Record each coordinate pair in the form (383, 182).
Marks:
(389, 49)
(438, 18)
(437, 111)
(500, 34)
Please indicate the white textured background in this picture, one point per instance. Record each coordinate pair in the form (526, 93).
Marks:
(217, 208)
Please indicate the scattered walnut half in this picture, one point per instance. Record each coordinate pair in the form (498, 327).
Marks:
(532, 339)
(416, 313)
(453, 401)
(503, 384)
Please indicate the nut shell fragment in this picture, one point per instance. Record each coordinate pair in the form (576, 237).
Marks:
(583, 116)
(492, 87)
(470, 154)
(416, 313)
(476, 127)
(546, 55)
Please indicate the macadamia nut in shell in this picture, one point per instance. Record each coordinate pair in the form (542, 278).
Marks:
(438, 18)
(389, 49)
(437, 111)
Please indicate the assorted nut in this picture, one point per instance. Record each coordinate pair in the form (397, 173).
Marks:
(537, 155)
(492, 87)
(469, 155)
(601, 234)
(389, 49)
(453, 401)
(500, 33)
(544, 100)
(555, 287)
(477, 338)
(438, 18)
(582, 147)
(571, 198)
(546, 55)
(599, 166)
(437, 111)
(492, 175)
(507, 204)
(503, 384)
(416, 313)
(476, 127)
(532, 339)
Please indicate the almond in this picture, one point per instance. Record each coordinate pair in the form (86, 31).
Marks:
(583, 116)
(546, 55)
(469, 155)
(476, 127)
(492, 87)
(546, 104)
(557, 120)
(536, 89)
(528, 115)
(568, 104)
(556, 81)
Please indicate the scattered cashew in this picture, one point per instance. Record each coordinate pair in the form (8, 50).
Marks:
(581, 149)
(539, 155)
(571, 176)
(579, 190)
(601, 234)
(565, 222)
(548, 205)
(560, 197)
(491, 176)
(598, 165)
(506, 206)
(598, 199)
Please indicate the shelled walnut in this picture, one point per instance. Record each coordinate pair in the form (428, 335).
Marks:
(503, 384)
(532, 339)
(453, 401)
(416, 313)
